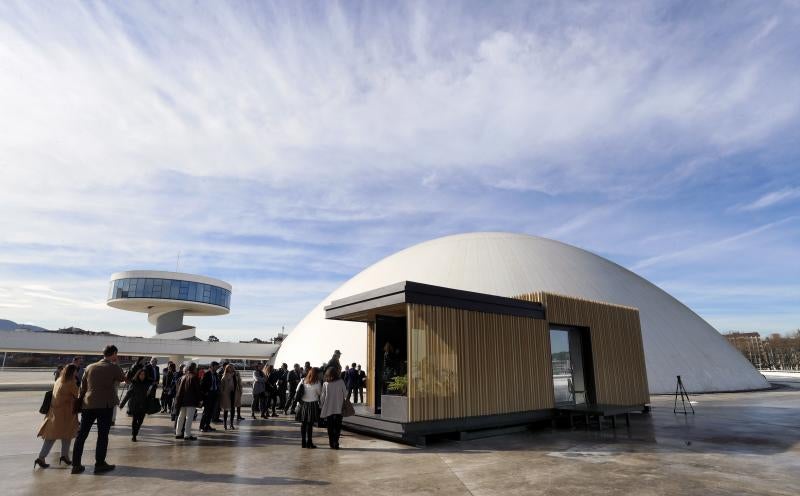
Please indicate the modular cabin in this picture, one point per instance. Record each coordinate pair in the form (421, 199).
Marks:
(442, 360)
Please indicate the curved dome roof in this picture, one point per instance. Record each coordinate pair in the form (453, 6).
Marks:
(677, 341)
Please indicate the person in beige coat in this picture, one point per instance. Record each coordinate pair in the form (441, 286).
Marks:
(231, 391)
(60, 422)
(238, 395)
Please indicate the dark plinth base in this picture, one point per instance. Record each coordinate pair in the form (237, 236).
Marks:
(599, 412)
(416, 433)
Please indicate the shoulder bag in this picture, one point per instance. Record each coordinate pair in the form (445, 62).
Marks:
(347, 409)
(77, 404)
(153, 405)
(46, 402)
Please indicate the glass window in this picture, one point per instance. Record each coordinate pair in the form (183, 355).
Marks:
(169, 289)
(562, 366)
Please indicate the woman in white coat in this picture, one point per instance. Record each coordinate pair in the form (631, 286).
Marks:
(334, 392)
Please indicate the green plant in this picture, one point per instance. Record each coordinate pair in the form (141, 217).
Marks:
(399, 384)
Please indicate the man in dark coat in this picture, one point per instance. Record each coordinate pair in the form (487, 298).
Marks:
(153, 376)
(210, 386)
(293, 377)
(334, 362)
(283, 383)
(362, 383)
(353, 383)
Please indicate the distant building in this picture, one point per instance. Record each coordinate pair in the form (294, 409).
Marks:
(774, 352)
(166, 297)
(751, 345)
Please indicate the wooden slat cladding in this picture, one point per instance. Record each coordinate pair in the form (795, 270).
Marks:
(620, 375)
(370, 365)
(466, 363)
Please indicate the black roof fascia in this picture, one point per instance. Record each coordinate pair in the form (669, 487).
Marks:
(427, 294)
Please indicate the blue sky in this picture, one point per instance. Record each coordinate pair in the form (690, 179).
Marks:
(284, 147)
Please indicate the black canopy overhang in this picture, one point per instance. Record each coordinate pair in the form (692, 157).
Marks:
(359, 306)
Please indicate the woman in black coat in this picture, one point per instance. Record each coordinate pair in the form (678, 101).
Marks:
(137, 395)
(272, 377)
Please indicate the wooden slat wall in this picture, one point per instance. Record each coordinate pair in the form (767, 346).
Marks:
(370, 365)
(620, 375)
(464, 363)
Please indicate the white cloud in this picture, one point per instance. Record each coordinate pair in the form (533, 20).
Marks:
(709, 248)
(772, 198)
(271, 140)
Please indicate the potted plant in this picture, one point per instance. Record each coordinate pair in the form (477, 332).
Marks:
(394, 406)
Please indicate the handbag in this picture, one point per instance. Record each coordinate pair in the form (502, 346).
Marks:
(153, 405)
(46, 402)
(347, 409)
(77, 405)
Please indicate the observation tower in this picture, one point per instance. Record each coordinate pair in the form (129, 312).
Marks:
(167, 296)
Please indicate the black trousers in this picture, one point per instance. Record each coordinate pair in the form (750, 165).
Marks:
(136, 423)
(352, 391)
(290, 399)
(88, 417)
(282, 396)
(360, 394)
(307, 432)
(272, 401)
(166, 401)
(334, 429)
(210, 404)
(258, 403)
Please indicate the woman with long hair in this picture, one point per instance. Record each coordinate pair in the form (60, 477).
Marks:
(334, 393)
(60, 422)
(137, 397)
(307, 394)
(227, 400)
(271, 376)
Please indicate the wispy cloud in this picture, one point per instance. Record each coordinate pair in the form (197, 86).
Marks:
(709, 248)
(770, 199)
(290, 145)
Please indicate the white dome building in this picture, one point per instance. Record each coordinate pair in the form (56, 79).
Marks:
(677, 341)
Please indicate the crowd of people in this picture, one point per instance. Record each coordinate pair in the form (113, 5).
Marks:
(313, 395)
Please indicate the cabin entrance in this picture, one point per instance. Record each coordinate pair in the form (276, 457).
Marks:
(571, 355)
(390, 355)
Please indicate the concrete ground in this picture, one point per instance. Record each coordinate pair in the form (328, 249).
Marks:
(13, 377)
(743, 444)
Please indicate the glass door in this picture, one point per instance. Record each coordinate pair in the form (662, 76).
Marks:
(566, 351)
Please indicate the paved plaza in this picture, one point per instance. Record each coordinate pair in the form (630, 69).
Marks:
(744, 444)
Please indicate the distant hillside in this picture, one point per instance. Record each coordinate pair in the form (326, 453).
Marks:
(10, 325)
